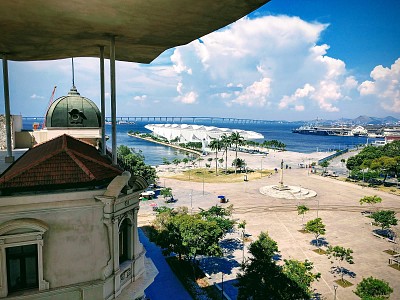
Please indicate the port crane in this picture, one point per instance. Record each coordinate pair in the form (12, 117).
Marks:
(48, 106)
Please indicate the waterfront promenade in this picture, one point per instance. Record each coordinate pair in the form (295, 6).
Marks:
(165, 144)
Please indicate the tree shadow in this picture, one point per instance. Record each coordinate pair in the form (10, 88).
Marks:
(230, 245)
(336, 270)
(320, 242)
(317, 296)
(387, 233)
(214, 265)
(277, 257)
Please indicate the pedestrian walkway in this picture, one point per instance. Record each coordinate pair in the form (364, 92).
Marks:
(166, 285)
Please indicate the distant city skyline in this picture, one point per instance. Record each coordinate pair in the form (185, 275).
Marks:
(288, 60)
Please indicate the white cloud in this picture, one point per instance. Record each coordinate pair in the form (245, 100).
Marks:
(179, 87)
(299, 108)
(350, 83)
(385, 85)
(225, 95)
(188, 98)
(34, 96)
(256, 94)
(272, 61)
(178, 64)
(292, 101)
(141, 98)
(271, 67)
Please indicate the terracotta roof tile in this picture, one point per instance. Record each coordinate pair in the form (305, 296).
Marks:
(59, 163)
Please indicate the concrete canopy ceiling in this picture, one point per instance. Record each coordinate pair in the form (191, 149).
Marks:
(143, 29)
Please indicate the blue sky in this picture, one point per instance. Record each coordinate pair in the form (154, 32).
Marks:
(289, 60)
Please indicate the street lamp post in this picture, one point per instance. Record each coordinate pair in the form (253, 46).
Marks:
(335, 286)
(317, 206)
(203, 182)
(261, 165)
(222, 286)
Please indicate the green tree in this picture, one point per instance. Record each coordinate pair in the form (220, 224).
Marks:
(373, 289)
(166, 192)
(301, 273)
(377, 158)
(301, 210)
(220, 215)
(226, 143)
(176, 161)
(386, 165)
(384, 218)
(185, 160)
(325, 165)
(340, 254)
(371, 200)
(221, 161)
(237, 140)
(239, 163)
(262, 278)
(316, 227)
(134, 163)
(216, 145)
(188, 235)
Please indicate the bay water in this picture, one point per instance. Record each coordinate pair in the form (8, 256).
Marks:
(281, 131)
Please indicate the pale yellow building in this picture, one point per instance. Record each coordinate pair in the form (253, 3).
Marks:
(68, 226)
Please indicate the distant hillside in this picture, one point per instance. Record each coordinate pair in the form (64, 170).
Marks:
(364, 120)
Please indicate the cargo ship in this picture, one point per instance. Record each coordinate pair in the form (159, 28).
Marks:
(314, 130)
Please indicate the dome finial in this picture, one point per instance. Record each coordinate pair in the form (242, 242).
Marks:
(73, 73)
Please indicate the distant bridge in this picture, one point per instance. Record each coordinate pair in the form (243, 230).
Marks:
(176, 119)
(190, 120)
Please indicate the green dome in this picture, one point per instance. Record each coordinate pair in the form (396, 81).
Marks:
(73, 110)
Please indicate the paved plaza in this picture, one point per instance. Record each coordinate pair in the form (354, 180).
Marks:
(337, 203)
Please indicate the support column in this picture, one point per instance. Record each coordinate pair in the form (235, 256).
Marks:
(138, 249)
(113, 103)
(43, 284)
(137, 245)
(103, 103)
(9, 158)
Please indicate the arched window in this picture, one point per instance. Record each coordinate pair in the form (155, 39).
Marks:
(125, 238)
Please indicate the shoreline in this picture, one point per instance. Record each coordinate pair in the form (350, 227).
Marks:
(265, 159)
(165, 144)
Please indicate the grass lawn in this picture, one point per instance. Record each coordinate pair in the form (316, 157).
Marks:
(208, 175)
(391, 252)
(395, 266)
(343, 283)
(319, 251)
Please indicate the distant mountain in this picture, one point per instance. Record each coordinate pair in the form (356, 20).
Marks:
(365, 120)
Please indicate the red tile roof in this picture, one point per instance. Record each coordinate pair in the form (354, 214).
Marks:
(63, 162)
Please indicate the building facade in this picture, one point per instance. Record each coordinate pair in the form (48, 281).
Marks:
(71, 231)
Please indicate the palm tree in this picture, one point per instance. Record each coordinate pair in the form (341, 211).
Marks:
(226, 143)
(216, 145)
(239, 163)
(238, 140)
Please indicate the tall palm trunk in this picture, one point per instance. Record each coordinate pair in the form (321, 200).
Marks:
(236, 158)
(226, 160)
(216, 161)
